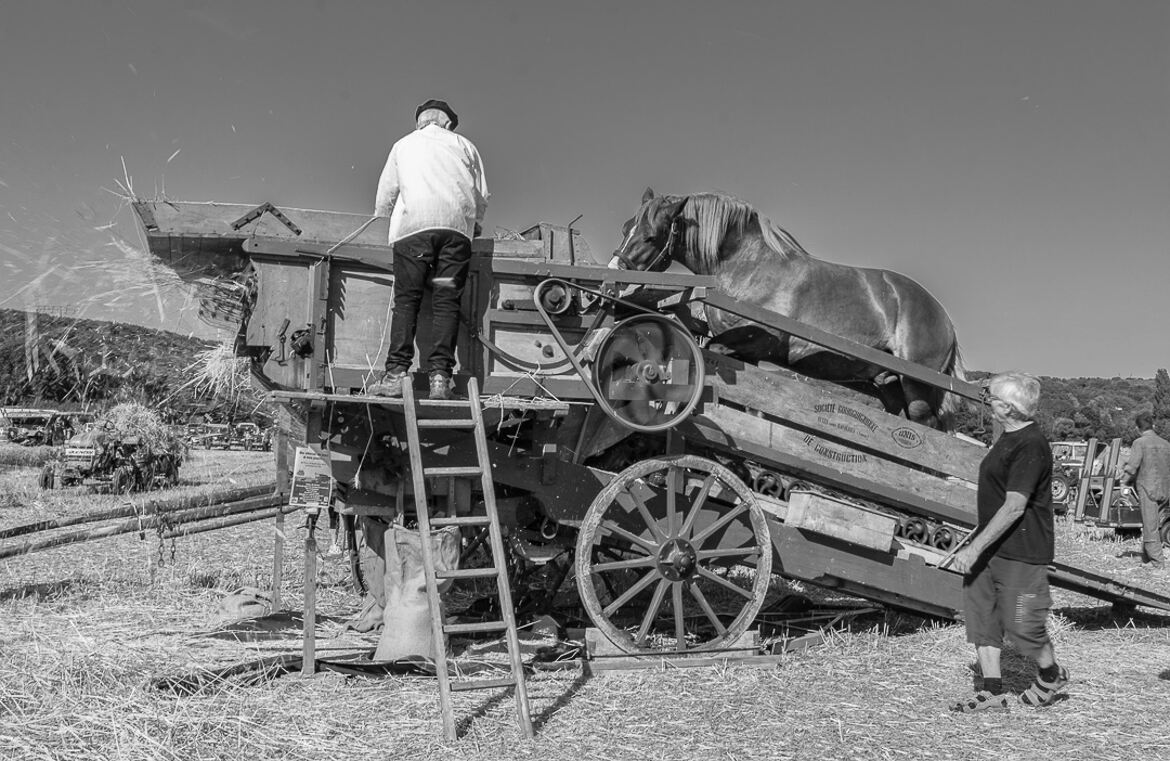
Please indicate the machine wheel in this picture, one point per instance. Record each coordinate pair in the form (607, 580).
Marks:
(649, 373)
(1061, 488)
(916, 530)
(47, 478)
(122, 482)
(1165, 533)
(668, 533)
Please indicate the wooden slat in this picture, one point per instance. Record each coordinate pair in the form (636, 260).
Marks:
(829, 463)
(822, 407)
(599, 274)
(379, 254)
(841, 520)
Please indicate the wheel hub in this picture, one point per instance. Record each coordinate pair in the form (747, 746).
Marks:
(677, 559)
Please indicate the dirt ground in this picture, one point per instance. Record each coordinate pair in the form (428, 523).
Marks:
(87, 631)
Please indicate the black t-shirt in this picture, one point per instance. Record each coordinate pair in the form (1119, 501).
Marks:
(1020, 461)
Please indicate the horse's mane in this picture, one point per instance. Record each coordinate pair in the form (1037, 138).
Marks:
(715, 215)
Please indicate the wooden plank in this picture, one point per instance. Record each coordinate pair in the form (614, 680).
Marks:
(380, 255)
(834, 455)
(881, 576)
(309, 627)
(820, 406)
(880, 481)
(190, 218)
(838, 519)
(841, 345)
(600, 274)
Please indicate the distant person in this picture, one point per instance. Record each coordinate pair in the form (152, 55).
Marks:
(1005, 589)
(434, 191)
(1148, 467)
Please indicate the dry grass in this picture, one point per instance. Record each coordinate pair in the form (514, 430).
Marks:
(15, 455)
(83, 633)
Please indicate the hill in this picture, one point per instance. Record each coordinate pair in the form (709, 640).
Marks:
(93, 363)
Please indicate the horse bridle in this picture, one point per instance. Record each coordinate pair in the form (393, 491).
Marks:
(666, 251)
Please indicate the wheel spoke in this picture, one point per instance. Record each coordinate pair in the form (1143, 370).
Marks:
(724, 583)
(733, 552)
(728, 517)
(700, 500)
(680, 631)
(643, 561)
(672, 487)
(707, 609)
(617, 530)
(631, 593)
(645, 513)
(652, 611)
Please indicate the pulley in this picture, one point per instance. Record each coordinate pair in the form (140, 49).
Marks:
(649, 373)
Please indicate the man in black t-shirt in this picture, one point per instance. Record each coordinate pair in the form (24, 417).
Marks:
(1005, 591)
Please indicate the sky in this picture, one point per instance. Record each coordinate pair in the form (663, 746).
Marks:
(1011, 156)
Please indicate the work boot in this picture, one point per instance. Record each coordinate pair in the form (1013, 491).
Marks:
(390, 384)
(440, 386)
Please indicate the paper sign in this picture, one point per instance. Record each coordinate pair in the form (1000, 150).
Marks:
(312, 484)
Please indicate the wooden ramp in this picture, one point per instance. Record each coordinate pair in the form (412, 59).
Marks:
(818, 433)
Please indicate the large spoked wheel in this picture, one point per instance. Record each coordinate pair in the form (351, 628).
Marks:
(661, 557)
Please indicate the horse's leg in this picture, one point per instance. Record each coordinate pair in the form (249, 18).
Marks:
(889, 392)
(922, 403)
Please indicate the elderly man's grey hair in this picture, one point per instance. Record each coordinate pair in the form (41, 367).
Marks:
(1021, 392)
(433, 116)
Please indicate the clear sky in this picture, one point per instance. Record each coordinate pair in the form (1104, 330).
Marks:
(1010, 155)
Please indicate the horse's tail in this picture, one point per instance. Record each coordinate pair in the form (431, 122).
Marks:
(952, 403)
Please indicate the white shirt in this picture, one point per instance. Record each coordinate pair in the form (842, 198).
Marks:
(433, 180)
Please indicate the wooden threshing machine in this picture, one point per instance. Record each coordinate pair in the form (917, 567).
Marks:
(610, 432)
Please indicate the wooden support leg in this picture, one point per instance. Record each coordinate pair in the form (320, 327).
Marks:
(309, 655)
(280, 450)
(277, 564)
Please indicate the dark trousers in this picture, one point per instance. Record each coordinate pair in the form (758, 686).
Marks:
(439, 258)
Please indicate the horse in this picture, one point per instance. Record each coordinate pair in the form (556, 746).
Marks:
(755, 261)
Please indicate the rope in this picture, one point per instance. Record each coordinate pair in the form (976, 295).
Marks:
(351, 236)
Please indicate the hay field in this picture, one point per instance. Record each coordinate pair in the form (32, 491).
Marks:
(84, 631)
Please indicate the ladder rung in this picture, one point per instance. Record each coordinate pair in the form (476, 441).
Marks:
(468, 573)
(465, 470)
(463, 520)
(482, 684)
(446, 423)
(486, 626)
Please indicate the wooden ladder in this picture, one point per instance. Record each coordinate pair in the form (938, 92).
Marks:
(415, 421)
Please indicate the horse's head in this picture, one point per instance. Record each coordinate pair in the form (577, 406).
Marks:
(652, 237)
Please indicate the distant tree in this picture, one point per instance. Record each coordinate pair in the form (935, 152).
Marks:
(1162, 401)
(1063, 428)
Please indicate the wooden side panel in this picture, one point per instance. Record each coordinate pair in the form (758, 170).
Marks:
(360, 302)
(880, 479)
(819, 406)
(904, 582)
(283, 291)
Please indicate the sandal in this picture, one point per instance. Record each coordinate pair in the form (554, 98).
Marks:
(1043, 693)
(981, 701)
